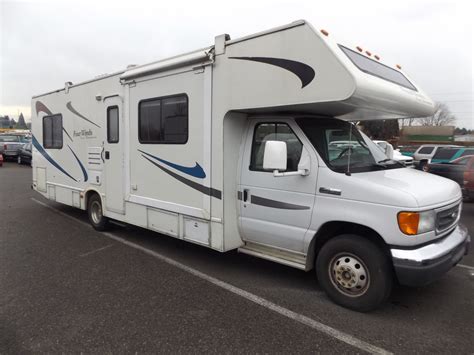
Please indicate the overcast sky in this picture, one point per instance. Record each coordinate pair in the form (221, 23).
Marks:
(46, 43)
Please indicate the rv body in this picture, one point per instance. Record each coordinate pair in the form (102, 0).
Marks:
(179, 146)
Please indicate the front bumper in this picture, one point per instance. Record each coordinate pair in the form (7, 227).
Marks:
(421, 266)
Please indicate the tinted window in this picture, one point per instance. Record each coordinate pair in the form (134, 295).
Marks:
(462, 161)
(426, 150)
(53, 131)
(163, 120)
(467, 152)
(275, 132)
(377, 69)
(112, 124)
(445, 153)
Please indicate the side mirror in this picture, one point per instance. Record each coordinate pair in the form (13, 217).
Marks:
(274, 156)
(389, 151)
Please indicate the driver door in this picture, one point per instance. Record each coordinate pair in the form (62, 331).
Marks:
(275, 211)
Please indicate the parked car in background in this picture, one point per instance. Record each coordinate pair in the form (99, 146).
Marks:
(24, 157)
(408, 150)
(446, 155)
(423, 155)
(1, 160)
(10, 146)
(394, 154)
(460, 170)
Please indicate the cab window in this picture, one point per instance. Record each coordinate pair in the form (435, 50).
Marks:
(275, 132)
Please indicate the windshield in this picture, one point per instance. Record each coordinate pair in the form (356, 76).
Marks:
(343, 147)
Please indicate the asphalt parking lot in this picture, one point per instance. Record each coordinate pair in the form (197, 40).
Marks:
(67, 288)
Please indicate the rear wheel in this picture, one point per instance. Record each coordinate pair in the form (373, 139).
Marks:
(95, 213)
(424, 165)
(354, 272)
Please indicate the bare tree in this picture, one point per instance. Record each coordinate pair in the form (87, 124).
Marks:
(407, 121)
(441, 117)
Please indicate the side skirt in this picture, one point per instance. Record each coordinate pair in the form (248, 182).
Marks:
(285, 257)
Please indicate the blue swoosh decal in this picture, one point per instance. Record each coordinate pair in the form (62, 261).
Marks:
(45, 154)
(196, 171)
(84, 172)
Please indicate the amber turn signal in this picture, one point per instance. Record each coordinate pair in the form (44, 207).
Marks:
(408, 222)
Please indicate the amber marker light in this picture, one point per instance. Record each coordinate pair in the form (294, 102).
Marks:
(368, 53)
(399, 66)
(376, 57)
(324, 32)
(359, 49)
(408, 222)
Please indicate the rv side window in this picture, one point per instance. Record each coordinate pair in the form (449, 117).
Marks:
(113, 124)
(53, 131)
(275, 132)
(163, 120)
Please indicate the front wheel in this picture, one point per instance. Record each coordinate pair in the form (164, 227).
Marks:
(424, 166)
(354, 272)
(95, 213)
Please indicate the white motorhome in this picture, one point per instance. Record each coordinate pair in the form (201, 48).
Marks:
(230, 147)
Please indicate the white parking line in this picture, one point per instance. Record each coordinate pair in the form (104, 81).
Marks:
(95, 251)
(332, 332)
(466, 267)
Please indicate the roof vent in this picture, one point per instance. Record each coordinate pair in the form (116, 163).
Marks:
(131, 66)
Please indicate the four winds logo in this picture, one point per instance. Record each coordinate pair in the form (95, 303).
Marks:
(84, 133)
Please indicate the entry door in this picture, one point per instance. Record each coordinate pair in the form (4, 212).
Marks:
(276, 211)
(114, 156)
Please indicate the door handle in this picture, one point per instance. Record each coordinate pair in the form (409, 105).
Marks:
(330, 191)
(246, 195)
(107, 155)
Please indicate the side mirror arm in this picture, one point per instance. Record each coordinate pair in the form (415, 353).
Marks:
(301, 172)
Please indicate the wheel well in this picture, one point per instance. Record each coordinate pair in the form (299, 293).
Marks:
(335, 228)
(88, 195)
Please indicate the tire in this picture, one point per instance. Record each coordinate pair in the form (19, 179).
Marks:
(424, 165)
(95, 213)
(361, 266)
(18, 159)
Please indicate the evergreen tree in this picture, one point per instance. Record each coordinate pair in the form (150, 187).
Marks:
(21, 122)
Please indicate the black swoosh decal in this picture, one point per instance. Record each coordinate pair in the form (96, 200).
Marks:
(257, 200)
(84, 172)
(41, 107)
(303, 71)
(73, 110)
(67, 134)
(201, 188)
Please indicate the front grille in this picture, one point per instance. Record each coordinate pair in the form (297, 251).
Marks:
(447, 217)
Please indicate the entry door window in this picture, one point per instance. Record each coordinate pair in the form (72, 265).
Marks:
(275, 132)
(113, 124)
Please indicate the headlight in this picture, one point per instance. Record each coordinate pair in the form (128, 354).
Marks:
(413, 223)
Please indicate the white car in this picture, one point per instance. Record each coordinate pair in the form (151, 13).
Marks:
(394, 154)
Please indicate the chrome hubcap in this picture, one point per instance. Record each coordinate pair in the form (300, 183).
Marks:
(96, 212)
(349, 274)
